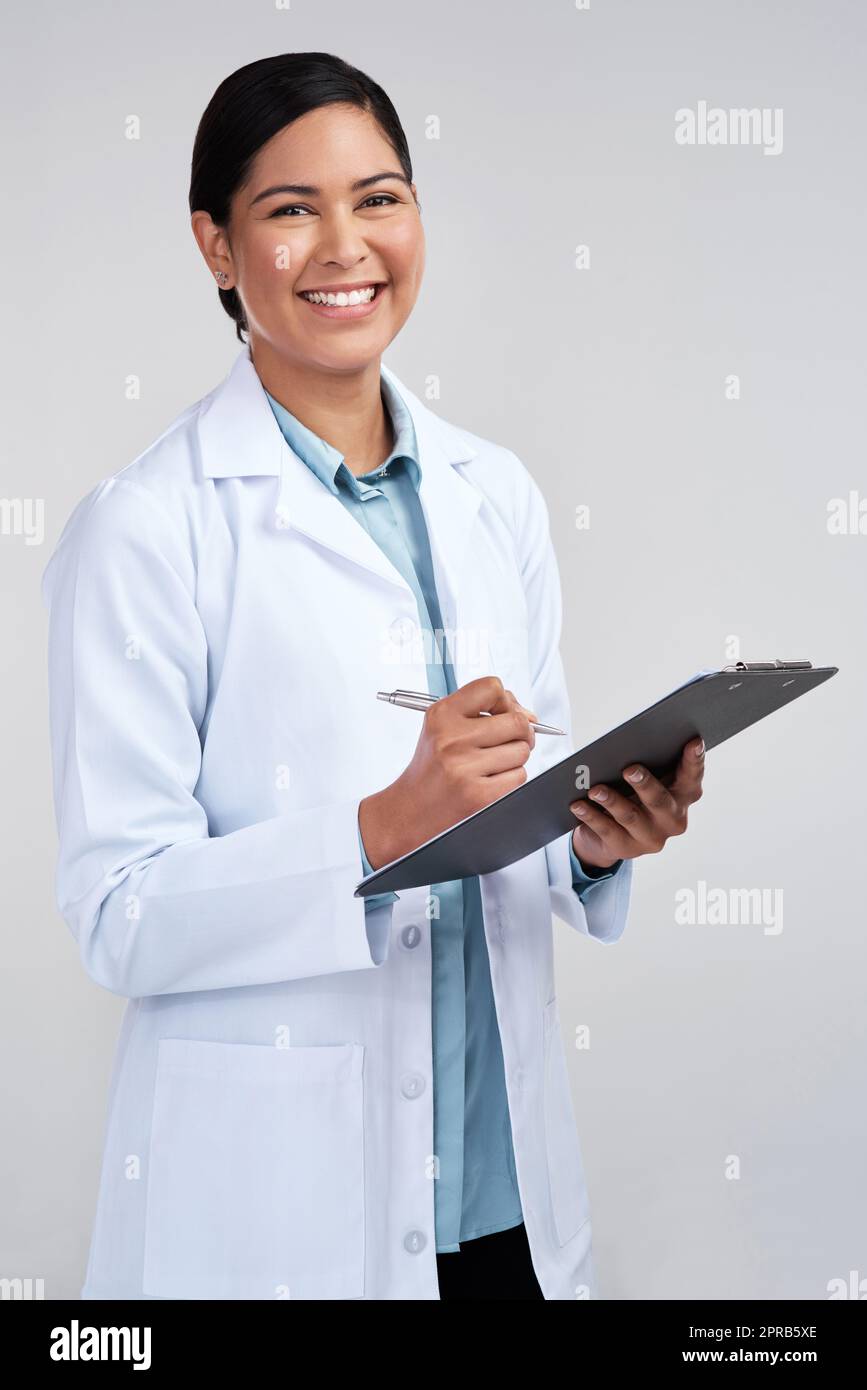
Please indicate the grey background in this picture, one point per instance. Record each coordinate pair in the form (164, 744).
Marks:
(708, 523)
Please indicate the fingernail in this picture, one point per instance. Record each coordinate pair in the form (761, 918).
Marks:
(600, 795)
(579, 808)
(636, 775)
(700, 749)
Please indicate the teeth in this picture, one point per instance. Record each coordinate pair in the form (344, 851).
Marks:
(354, 297)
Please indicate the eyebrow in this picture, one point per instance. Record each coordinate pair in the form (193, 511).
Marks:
(309, 190)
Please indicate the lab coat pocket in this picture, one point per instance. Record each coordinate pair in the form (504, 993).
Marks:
(569, 1199)
(256, 1172)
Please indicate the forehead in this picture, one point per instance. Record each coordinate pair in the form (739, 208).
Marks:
(330, 146)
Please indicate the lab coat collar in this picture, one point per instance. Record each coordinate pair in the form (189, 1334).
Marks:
(325, 461)
(240, 437)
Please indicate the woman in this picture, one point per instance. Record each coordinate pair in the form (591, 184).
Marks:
(316, 1096)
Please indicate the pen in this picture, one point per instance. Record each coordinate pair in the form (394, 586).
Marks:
(420, 699)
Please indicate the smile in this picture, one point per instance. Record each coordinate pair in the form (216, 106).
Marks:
(356, 303)
(354, 297)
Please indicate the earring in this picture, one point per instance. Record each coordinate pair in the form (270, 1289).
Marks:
(221, 277)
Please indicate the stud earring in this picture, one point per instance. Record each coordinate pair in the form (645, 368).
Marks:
(221, 277)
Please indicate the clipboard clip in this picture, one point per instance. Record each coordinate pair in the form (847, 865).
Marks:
(775, 665)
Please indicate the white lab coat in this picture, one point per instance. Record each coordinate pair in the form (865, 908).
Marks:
(219, 626)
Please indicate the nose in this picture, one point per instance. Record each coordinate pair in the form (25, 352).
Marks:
(340, 241)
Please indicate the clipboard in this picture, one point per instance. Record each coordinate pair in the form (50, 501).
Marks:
(715, 703)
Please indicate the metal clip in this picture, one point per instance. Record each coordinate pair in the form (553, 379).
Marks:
(775, 665)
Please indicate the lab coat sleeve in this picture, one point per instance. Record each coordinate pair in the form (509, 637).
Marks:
(156, 903)
(602, 912)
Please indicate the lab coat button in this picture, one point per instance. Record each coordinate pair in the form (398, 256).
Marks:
(412, 1085)
(410, 937)
(414, 1242)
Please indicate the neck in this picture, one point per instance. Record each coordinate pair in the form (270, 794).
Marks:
(343, 408)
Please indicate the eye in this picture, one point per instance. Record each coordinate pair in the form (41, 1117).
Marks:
(375, 199)
(290, 207)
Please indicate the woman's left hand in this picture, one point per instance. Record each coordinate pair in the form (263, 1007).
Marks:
(613, 826)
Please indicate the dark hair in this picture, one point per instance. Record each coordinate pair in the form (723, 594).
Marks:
(253, 104)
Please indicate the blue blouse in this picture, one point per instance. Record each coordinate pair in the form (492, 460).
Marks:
(476, 1189)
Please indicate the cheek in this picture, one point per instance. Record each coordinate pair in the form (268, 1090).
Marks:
(404, 250)
(268, 265)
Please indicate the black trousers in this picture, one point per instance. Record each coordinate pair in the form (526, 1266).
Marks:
(495, 1266)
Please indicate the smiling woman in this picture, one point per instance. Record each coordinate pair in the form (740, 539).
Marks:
(328, 1097)
(303, 205)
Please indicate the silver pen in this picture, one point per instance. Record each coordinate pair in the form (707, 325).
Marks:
(420, 699)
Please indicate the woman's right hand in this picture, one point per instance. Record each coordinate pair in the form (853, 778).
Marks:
(463, 761)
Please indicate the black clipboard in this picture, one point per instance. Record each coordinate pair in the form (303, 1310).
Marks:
(715, 704)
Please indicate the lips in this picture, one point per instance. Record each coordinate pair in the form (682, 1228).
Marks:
(346, 311)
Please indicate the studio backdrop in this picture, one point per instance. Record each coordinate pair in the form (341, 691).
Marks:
(645, 236)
